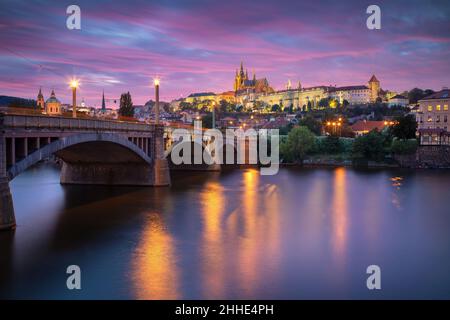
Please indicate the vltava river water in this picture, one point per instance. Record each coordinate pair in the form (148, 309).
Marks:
(304, 233)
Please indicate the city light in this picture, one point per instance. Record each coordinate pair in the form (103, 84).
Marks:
(74, 83)
(156, 81)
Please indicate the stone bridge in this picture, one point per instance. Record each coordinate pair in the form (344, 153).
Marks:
(93, 152)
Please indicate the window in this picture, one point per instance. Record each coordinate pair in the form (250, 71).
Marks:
(430, 119)
(445, 118)
(445, 107)
(438, 107)
(430, 108)
(438, 118)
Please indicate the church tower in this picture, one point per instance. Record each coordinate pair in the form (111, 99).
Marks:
(40, 100)
(374, 87)
(103, 102)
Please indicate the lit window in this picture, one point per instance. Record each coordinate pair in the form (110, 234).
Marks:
(438, 107)
(445, 107)
(430, 108)
(430, 119)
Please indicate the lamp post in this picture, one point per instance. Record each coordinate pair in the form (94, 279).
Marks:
(156, 83)
(213, 124)
(74, 85)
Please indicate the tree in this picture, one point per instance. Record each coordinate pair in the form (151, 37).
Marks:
(207, 121)
(405, 127)
(416, 94)
(299, 142)
(126, 108)
(323, 103)
(370, 146)
(404, 146)
(276, 108)
(312, 124)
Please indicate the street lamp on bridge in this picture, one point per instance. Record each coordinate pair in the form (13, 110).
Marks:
(74, 86)
(156, 83)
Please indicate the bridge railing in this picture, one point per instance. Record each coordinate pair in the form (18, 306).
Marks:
(46, 122)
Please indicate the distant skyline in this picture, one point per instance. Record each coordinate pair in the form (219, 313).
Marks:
(196, 46)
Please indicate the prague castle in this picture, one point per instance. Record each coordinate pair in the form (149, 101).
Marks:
(255, 93)
(251, 92)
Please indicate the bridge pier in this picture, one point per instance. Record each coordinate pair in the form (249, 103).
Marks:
(7, 218)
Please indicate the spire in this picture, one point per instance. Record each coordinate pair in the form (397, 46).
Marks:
(103, 102)
(53, 93)
(241, 73)
(254, 76)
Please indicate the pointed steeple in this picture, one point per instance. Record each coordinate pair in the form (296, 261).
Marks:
(53, 93)
(254, 76)
(103, 102)
(241, 72)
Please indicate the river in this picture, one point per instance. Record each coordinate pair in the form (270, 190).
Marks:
(301, 234)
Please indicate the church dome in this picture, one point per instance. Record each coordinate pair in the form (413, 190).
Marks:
(52, 98)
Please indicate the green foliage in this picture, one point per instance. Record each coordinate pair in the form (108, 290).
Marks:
(22, 103)
(404, 146)
(184, 106)
(286, 129)
(312, 124)
(405, 128)
(333, 145)
(371, 146)
(276, 108)
(126, 108)
(299, 142)
(225, 106)
(207, 121)
(416, 94)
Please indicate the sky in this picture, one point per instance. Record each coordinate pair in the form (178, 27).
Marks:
(196, 46)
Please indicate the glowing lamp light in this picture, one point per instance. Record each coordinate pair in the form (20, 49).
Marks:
(74, 83)
(156, 81)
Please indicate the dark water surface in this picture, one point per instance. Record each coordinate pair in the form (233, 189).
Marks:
(304, 233)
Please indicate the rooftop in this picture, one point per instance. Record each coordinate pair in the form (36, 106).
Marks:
(443, 94)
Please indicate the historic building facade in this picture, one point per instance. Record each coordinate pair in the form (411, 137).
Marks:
(40, 100)
(308, 98)
(53, 105)
(244, 85)
(433, 118)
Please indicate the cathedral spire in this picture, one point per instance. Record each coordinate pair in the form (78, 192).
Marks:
(103, 102)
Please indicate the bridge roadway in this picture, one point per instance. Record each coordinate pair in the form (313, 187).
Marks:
(93, 151)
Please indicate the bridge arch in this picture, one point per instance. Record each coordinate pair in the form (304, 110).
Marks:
(66, 148)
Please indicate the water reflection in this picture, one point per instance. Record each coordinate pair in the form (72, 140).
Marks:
(396, 183)
(155, 270)
(300, 234)
(213, 250)
(339, 216)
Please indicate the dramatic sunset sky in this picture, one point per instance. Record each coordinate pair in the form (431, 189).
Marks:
(196, 46)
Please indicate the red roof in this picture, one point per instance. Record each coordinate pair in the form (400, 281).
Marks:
(364, 125)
